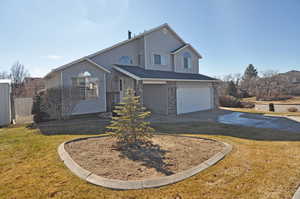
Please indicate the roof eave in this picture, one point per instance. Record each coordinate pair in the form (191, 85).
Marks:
(185, 80)
(160, 79)
(186, 46)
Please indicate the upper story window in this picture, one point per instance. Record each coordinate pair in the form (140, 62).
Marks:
(187, 60)
(85, 85)
(295, 80)
(127, 60)
(159, 59)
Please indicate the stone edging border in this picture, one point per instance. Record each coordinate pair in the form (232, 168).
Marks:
(137, 184)
(297, 194)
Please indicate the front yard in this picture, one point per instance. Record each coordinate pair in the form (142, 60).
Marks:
(264, 164)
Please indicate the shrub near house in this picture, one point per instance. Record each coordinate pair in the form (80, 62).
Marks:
(129, 126)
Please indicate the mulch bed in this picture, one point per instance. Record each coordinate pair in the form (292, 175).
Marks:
(166, 156)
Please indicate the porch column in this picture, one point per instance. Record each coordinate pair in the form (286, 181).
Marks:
(215, 96)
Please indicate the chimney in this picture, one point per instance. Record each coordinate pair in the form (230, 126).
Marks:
(129, 34)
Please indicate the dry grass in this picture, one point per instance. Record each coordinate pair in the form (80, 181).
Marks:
(293, 100)
(263, 164)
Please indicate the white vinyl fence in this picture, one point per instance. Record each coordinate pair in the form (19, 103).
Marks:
(22, 110)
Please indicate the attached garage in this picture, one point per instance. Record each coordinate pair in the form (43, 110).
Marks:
(170, 93)
(5, 105)
(191, 98)
(155, 98)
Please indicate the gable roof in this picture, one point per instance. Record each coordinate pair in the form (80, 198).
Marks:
(75, 62)
(165, 25)
(139, 73)
(186, 46)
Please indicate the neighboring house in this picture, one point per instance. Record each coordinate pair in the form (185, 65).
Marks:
(293, 78)
(5, 102)
(161, 67)
(32, 85)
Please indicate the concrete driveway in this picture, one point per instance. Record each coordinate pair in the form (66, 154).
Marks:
(260, 121)
(229, 117)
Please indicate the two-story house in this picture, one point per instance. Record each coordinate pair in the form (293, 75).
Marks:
(158, 64)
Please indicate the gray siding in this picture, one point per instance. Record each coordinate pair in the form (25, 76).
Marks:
(53, 81)
(112, 56)
(90, 105)
(178, 62)
(155, 98)
(160, 42)
(107, 59)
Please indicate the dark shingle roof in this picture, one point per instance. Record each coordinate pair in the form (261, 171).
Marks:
(178, 48)
(156, 74)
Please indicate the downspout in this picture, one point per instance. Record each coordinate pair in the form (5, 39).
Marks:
(61, 85)
(145, 52)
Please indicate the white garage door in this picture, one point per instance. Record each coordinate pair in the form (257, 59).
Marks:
(191, 99)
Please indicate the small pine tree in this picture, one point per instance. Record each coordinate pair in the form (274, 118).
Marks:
(250, 72)
(231, 89)
(129, 126)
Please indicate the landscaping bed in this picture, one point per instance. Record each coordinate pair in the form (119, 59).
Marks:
(166, 155)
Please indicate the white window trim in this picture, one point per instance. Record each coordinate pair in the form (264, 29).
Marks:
(87, 80)
(190, 62)
(131, 58)
(163, 56)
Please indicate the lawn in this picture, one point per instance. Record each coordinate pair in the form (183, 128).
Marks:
(293, 100)
(264, 164)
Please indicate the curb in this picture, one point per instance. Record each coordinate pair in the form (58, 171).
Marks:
(138, 184)
(297, 194)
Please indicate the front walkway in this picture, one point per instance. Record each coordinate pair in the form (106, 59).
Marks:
(93, 124)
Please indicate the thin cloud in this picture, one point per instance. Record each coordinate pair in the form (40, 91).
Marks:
(53, 57)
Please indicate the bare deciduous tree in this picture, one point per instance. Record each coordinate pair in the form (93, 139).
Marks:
(271, 85)
(18, 73)
(17, 76)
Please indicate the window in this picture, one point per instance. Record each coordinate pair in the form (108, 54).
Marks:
(85, 86)
(159, 59)
(121, 85)
(187, 60)
(125, 60)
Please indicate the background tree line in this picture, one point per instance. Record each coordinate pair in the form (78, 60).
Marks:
(268, 85)
(16, 74)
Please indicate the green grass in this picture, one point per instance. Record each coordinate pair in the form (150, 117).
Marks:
(264, 164)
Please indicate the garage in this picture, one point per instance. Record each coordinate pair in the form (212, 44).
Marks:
(155, 98)
(191, 98)
(5, 107)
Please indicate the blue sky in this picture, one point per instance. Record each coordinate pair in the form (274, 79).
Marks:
(229, 34)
